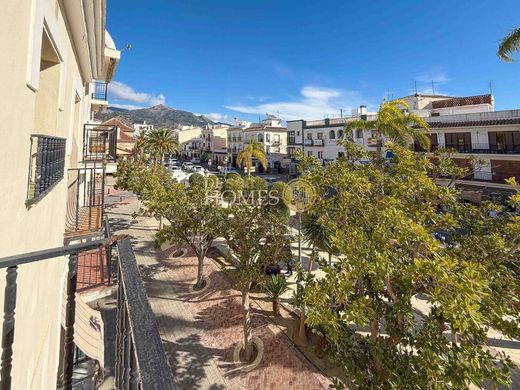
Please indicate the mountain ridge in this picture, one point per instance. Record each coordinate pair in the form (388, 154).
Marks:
(160, 116)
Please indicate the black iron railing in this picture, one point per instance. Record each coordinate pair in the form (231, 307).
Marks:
(47, 164)
(99, 142)
(141, 361)
(85, 200)
(99, 90)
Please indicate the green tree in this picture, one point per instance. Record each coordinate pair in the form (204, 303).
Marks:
(393, 121)
(317, 236)
(509, 45)
(195, 218)
(256, 238)
(160, 142)
(140, 146)
(253, 149)
(194, 214)
(276, 285)
(383, 221)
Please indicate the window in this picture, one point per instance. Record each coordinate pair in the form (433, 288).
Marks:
(320, 155)
(260, 138)
(359, 133)
(309, 135)
(461, 142)
(290, 138)
(309, 153)
(298, 133)
(506, 141)
(46, 167)
(320, 135)
(340, 133)
(268, 137)
(332, 134)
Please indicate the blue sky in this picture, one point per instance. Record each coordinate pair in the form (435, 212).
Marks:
(307, 59)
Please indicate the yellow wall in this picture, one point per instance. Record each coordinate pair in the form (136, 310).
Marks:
(25, 111)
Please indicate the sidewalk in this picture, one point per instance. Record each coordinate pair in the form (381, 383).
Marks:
(200, 330)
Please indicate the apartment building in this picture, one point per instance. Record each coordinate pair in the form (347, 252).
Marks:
(184, 136)
(273, 136)
(235, 143)
(214, 143)
(319, 138)
(142, 126)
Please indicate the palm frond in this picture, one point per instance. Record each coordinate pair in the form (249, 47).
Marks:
(509, 45)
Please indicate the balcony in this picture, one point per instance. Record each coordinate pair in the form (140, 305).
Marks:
(98, 94)
(139, 354)
(307, 142)
(85, 202)
(486, 149)
(99, 143)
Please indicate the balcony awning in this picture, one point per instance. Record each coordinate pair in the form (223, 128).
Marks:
(88, 329)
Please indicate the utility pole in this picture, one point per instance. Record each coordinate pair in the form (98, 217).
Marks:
(433, 88)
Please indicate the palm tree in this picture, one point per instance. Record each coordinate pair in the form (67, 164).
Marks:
(275, 286)
(509, 45)
(252, 149)
(160, 142)
(394, 122)
(140, 145)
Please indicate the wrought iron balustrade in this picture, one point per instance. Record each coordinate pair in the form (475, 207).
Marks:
(46, 167)
(99, 90)
(141, 362)
(85, 200)
(99, 142)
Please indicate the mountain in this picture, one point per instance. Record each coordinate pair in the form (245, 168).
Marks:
(159, 116)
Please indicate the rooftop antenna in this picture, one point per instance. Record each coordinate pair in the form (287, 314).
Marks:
(433, 88)
(415, 86)
(491, 87)
(128, 47)
(341, 113)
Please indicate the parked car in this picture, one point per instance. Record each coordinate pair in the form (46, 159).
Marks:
(175, 168)
(270, 179)
(195, 160)
(187, 166)
(199, 169)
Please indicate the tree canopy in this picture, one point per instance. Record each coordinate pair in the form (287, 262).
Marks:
(383, 220)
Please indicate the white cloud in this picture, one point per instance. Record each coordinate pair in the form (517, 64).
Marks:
(125, 106)
(121, 92)
(314, 103)
(216, 117)
(435, 74)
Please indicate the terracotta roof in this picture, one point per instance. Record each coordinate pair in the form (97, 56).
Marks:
(126, 137)
(265, 128)
(463, 101)
(118, 121)
(489, 122)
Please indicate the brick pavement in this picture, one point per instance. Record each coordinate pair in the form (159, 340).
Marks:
(200, 330)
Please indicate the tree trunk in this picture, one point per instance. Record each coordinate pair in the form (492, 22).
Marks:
(200, 271)
(330, 259)
(276, 306)
(379, 145)
(374, 335)
(302, 334)
(248, 337)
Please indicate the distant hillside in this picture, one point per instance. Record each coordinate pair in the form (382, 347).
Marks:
(159, 116)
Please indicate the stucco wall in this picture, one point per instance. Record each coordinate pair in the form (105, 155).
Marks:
(24, 229)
